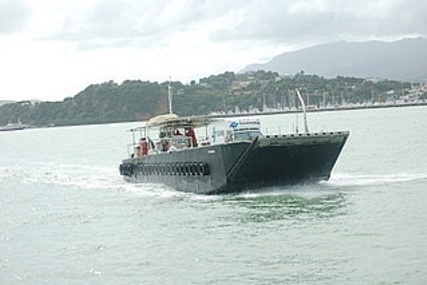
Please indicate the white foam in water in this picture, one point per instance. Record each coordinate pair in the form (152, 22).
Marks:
(80, 176)
(374, 179)
(303, 190)
(107, 178)
(83, 177)
(150, 189)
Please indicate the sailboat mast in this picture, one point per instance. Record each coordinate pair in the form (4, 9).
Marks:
(170, 97)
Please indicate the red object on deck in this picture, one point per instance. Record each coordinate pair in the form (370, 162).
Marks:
(143, 147)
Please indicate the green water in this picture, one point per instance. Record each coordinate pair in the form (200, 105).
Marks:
(67, 217)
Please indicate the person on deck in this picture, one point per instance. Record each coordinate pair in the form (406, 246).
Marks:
(143, 147)
(190, 133)
(165, 145)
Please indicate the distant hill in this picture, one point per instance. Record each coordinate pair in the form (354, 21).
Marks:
(401, 60)
(136, 100)
(31, 102)
(3, 102)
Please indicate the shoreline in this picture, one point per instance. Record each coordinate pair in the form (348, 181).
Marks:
(326, 109)
(329, 109)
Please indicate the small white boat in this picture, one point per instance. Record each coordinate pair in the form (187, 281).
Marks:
(13, 127)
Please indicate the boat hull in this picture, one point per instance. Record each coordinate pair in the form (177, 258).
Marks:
(264, 162)
(8, 129)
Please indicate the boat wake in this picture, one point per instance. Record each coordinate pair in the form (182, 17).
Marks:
(82, 177)
(374, 179)
(107, 178)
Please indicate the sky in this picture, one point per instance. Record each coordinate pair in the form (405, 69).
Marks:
(53, 49)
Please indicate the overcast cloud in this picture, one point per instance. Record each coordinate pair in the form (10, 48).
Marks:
(58, 47)
(288, 22)
(13, 15)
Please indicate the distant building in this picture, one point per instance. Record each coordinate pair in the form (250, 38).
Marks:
(238, 86)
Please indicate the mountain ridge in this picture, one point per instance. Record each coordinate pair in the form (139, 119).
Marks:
(400, 60)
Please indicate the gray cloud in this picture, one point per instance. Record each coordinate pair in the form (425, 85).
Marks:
(151, 23)
(133, 22)
(141, 23)
(311, 20)
(13, 15)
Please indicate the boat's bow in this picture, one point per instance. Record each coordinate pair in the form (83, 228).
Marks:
(287, 159)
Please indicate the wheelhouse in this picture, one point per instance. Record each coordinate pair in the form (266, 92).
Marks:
(168, 133)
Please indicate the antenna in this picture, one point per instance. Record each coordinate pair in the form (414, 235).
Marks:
(303, 110)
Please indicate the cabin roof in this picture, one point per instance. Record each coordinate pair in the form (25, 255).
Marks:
(172, 120)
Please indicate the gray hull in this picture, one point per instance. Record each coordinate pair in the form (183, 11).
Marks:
(268, 161)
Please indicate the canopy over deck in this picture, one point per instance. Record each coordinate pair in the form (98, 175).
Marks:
(172, 120)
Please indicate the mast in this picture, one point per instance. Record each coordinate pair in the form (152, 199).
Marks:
(264, 104)
(170, 97)
(303, 110)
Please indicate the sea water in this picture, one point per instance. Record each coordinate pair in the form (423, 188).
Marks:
(67, 217)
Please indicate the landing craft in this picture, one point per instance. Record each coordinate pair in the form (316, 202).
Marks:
(229, 156)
